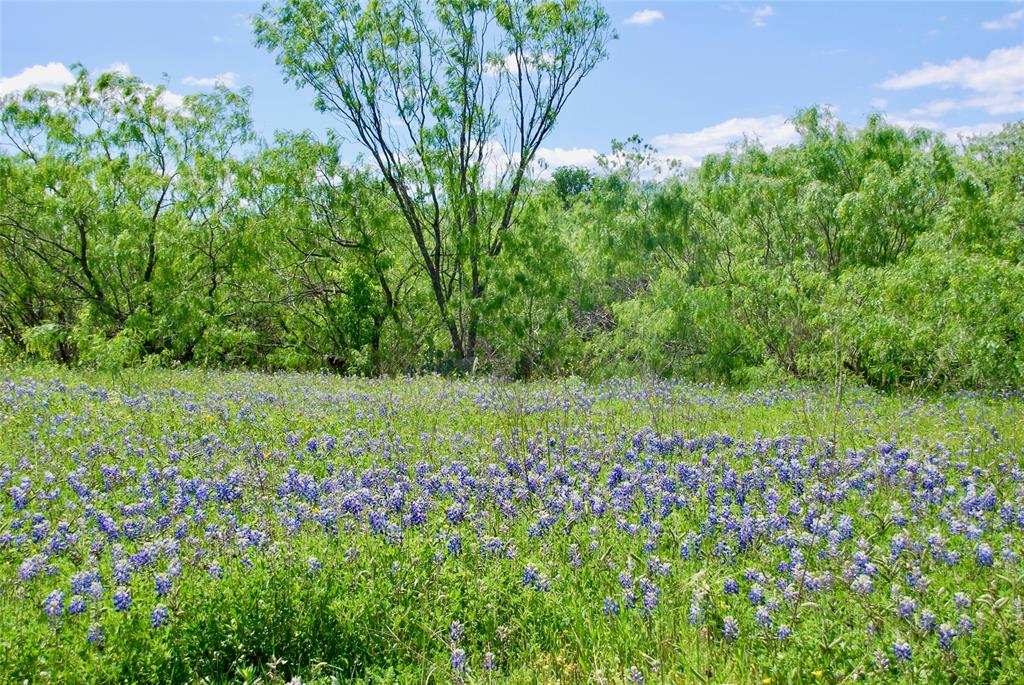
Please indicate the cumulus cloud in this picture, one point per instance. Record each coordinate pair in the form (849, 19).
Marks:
(1008, 22)
(52, 76)
(1001, 71)
(999, 103)
(554, 157)
(171, 100)
(995, 83)
(644, 17)
(686, 149)
(690, 148)
(228, 79)
(55, 75)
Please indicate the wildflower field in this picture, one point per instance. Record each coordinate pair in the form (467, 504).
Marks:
(193, 526)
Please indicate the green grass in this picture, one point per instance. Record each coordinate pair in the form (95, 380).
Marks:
(377, 605)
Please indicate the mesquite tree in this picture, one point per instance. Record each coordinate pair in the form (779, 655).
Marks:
(451, 100)
(116, 212)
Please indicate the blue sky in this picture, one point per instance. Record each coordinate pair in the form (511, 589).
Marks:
(691, 77)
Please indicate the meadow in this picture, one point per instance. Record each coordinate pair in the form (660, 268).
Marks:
(187, 526)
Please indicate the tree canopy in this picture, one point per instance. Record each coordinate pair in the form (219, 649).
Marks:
(135, 229)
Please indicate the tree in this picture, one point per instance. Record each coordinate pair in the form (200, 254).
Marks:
(99, 182)
(570, 182)
(342, 266)
(452, 101)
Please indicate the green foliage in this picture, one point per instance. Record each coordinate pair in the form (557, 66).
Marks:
(452, 101)
(939, 318)
(882, 253)
(570, 182)
(136, 232)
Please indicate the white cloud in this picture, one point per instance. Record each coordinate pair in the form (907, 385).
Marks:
(690, 148)
(758, 13)
(1001, 71)
(685, 149)
(228, 79)
(1007, 22)
(761, 14)
(497, 68)
(55, 75)
(644, 17)
(879, 103)
(997, 83)
(554, 157)
(52, 76)
(1000, 103)
(171, 100)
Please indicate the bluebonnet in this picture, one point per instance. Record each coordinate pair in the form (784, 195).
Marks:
(455, 632)
(122, 599)
(946, 635)
(784, 507)
(730, 628)
(863, 584)
(76, 605)
(650, 598)
(31, 567)
(575, 559)
(696, 614)
(983, 554)
(611, 607)
(55, 604)
(159, 616)
(458, 660)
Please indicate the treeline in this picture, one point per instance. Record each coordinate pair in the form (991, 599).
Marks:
(136, 232)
